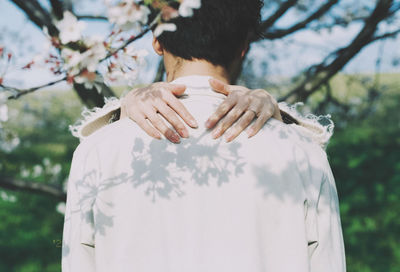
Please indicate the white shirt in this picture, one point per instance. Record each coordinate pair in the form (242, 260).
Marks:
(268, 203)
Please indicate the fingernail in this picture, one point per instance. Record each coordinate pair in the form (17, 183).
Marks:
(250, 132)
(175, 138)
(216, 133)
(193, 123)
(208, 124)
(228, 137)
(184, 133)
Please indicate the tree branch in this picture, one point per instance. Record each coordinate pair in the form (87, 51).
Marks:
(386, 35)
(68, 5)
(33, 187)
(340, 22)
(279, 33)
(134, 38)
(319, 75)
(18, 93)
(92, 17)
(57, 8)
(285, 6)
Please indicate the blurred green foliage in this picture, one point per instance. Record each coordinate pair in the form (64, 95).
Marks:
(364, 155)
(365, 158)
(30, 226)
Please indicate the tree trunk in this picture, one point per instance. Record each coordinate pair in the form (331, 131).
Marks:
(93, 97)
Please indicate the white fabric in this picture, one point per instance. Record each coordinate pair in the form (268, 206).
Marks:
(95, 118)
(268, 203)
(310, 124)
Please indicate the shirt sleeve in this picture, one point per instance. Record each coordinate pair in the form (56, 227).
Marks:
(327, 251)
(78, 245)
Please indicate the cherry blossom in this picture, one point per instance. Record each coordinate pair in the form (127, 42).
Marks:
(164, 27)
(95, 53)
(82, 67)
(128, 15)
(72, 60)
(123, 69)
(186, 7)
(70, 28)
(81, 59)
(93, 60)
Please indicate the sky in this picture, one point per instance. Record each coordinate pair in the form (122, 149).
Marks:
(293, 55)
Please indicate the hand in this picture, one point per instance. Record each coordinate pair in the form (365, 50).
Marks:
(144, 103)
(241, 105)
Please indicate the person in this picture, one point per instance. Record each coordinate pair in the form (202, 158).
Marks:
(265, 203)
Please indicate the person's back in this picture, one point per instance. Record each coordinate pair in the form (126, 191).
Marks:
(267, 203)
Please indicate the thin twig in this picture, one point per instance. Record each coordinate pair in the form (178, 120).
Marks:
(129, 41)
(18, 93)
(33, 187)
(92, 17)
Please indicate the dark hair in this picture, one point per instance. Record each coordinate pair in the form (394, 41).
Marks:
(217, 32)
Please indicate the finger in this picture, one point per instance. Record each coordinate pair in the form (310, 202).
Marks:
(221, 111)
(176, 89)
(171, 117)
(180, 109)
(241, 125)
(219, 86)
(258, 124)
(123, 111)
(228, 120)
(143, 124)
(158, 123)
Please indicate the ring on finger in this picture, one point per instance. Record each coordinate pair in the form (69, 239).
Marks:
(255, 112)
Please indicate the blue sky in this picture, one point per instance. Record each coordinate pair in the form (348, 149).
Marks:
(293, 55)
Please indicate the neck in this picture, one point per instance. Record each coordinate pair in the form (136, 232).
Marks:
(179, 68)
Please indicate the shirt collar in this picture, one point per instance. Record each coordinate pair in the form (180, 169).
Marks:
(193, 81)
(197, 85)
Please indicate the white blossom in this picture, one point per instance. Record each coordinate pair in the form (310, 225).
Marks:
(128, 14)
(121, 77)
(83, 66)
(187, 6)
(70, 28)
(87, 79)
(37, 170)
(132, 54)
(24, 173)
(95, 53)
(60, 208)
(124, 69)
(7, 197)
(72, 60)
(164, 27)
(8, 140)
(56, 169)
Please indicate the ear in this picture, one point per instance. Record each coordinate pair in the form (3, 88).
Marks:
(157, 46)
(244, 50)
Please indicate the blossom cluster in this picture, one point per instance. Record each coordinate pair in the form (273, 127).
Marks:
(90, 60)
